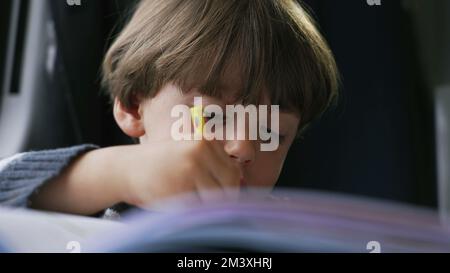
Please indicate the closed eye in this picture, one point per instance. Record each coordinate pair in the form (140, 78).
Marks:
(281, 138)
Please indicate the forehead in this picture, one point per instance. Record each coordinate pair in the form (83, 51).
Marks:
(231, 86)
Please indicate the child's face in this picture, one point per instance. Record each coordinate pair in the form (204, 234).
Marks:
(259, 168)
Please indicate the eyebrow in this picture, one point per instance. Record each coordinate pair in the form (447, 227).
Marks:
(231, 100)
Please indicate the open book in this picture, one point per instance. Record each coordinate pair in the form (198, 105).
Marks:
(33, 231)
(287, 221)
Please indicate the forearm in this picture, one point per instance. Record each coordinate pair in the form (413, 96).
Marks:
(90, 184)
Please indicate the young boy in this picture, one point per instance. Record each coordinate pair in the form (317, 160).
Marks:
(229, 52)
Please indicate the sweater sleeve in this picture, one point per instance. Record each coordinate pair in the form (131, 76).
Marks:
(21, 175)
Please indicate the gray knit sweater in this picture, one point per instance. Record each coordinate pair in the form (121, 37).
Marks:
(23, 174)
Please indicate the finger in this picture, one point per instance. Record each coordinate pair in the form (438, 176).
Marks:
(208, 187)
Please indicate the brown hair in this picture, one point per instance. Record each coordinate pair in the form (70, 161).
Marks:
(191, 43)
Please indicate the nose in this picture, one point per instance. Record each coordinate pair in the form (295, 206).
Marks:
(243, 151)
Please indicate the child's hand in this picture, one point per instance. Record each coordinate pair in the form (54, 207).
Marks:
(140, 175)
(159, 170)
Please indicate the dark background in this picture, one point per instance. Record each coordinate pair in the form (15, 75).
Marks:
(378, 141)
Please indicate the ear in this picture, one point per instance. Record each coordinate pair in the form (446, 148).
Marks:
(130, 119)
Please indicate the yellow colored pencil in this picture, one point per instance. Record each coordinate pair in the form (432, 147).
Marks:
(197, 119)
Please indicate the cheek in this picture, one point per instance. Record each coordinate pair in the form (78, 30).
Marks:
(156, 113)
(158, 126)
